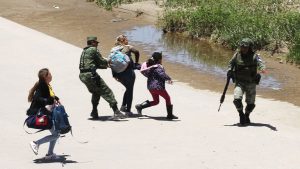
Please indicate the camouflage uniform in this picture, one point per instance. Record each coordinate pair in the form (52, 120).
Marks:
(91, 60)
(245, 74)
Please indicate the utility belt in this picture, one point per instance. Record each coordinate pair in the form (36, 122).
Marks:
(85, 70)
(95, 76)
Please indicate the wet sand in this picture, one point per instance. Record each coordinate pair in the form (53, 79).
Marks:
(71, 21)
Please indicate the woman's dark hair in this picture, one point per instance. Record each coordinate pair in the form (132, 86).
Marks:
(150, 62)
(43, 73)
(157, 56)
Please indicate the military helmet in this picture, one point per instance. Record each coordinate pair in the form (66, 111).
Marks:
(92, 38)
(246, 42)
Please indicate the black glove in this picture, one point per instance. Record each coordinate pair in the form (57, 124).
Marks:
(137, 66)
(56, 98)
(229, 74)
(257, 78)
(49, 101)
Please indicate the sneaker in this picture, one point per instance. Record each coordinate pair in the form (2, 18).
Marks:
(34, 147)
(129, 114)
(118, 114)
(123, 109)
(51, 157)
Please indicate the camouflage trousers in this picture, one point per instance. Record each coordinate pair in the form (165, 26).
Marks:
(98, 89)
(248, 88)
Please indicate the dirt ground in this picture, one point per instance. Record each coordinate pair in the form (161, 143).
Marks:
(72, 20)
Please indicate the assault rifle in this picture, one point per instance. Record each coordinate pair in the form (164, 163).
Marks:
(230, 75)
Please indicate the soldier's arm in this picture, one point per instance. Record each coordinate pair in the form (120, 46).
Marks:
(232, 62)
(260, 65)
(231, 68)
(101, 62)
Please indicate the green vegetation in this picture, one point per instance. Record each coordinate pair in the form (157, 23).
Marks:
(294, 55)
(269, 23)
(228, 21)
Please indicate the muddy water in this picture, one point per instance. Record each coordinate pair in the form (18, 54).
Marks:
(191, 55)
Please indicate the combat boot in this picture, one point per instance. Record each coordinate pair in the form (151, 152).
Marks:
(94, 114)
(249, 108)
(242, 117)
(170, 115)
(247, 118)
(141, 106)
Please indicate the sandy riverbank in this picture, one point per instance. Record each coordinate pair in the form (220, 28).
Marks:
(71, 21)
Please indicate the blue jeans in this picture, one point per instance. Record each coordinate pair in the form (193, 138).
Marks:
(50, 138)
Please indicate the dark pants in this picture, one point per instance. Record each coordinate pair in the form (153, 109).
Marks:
(127, 78)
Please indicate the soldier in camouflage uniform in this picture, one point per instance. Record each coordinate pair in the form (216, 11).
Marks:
(243, 67)
(91, 60)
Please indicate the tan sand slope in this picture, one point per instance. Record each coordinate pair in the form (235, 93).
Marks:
(202, 139)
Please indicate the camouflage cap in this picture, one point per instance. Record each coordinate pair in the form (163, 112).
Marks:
(246, 42)
(92, 38)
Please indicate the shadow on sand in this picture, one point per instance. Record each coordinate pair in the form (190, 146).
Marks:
(62, 159)
(107, 118)
(158, 118)
(255, 125)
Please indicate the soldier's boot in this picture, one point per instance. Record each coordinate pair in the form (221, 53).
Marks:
(239, 106)
(141, 106)
(94, 113)
(117, 113)
(242, 117)
(170, 115)
(249, 108)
